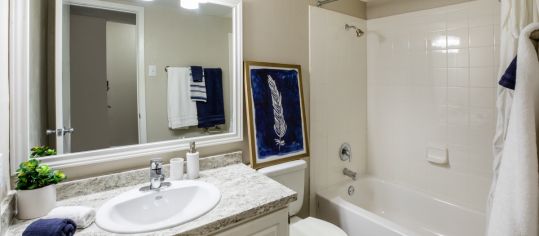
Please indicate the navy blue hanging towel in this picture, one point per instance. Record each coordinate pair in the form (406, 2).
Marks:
(212, 112)
(509, 78)
(196, 73)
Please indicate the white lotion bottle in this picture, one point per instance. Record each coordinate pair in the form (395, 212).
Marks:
(192, 162)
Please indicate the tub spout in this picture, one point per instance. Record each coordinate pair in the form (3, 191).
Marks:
(349, 173)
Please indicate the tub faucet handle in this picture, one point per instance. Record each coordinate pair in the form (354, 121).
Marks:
(345, 152)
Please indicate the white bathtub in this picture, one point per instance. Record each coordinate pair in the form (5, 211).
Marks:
(379, 208)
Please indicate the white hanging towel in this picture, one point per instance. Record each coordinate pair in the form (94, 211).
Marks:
(515, 202)
(182, 111)
(515, 15)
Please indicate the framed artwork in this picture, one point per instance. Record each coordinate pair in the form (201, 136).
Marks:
(275, 113)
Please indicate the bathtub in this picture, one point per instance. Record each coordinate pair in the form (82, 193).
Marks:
(379, 208)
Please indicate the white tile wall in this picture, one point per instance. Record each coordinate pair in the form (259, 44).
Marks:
(338, 88)
(433, 84)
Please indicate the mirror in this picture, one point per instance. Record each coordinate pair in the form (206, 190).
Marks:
(113, 74)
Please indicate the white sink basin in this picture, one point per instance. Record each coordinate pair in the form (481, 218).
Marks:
(136, 212)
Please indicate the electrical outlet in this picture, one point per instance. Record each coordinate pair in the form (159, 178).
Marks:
(152, 71)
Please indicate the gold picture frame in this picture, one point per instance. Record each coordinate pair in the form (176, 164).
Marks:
(275, 100)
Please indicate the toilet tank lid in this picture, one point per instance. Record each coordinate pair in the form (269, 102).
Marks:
(283, 168)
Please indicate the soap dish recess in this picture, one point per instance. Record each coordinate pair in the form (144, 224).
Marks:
(437, 155)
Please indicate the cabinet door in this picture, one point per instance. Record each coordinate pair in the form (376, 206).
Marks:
(274, 224)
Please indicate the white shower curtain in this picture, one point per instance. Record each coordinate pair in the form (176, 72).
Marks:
(515, 15)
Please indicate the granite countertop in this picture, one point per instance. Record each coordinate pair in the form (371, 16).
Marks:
(245, 194)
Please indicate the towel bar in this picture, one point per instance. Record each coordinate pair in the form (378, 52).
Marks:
(166, 67)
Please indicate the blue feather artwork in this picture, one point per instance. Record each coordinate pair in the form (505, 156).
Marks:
(278, 122)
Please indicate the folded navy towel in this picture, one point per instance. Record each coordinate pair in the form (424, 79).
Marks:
(509, 78)
(212, 112)
(51, 227)
(196, 73)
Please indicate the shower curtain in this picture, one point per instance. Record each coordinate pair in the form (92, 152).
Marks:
(515, 15)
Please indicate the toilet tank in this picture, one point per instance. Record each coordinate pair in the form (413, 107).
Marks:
(292, 175)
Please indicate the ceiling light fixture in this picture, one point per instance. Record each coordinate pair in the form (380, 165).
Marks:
(189, 4)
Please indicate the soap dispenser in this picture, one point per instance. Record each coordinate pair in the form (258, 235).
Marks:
(192, 162)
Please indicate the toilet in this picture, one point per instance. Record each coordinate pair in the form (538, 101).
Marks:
(292, 175)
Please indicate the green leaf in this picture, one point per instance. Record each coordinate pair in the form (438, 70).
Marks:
(43, 170)
(42, 151)
(33, 175)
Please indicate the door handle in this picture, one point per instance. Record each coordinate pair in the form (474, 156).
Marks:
(67, 131)
(59, 132)
(50, 131)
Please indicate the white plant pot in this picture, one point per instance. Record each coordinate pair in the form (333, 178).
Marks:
(35, 203)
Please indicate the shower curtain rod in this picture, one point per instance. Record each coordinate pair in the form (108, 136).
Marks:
(319, 3)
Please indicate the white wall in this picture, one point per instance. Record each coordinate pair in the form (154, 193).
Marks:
(431, 82)
(4, 98)
(338, 88)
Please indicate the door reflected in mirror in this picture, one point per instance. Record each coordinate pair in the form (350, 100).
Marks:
(128, 72)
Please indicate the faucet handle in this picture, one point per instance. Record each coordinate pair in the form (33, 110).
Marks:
(156, 168)
(156, 173)
(155, 182)
(345, 152)
(156, 164)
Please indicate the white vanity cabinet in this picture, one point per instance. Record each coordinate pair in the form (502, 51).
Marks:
(273, 224)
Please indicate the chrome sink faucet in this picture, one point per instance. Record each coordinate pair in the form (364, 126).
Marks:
(349, 173)
(156, 173)
(157, 177)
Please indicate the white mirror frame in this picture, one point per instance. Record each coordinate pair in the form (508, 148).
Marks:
(19, 77)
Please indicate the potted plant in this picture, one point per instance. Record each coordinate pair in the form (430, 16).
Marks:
(36, 191)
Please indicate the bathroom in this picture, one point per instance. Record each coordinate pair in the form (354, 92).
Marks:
(375, 118)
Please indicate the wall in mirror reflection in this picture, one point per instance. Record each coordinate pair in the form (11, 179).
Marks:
(101, 94)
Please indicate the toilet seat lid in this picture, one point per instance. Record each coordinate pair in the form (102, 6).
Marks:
(314, 227)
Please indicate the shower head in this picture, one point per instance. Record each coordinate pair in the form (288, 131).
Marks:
(359, 32)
